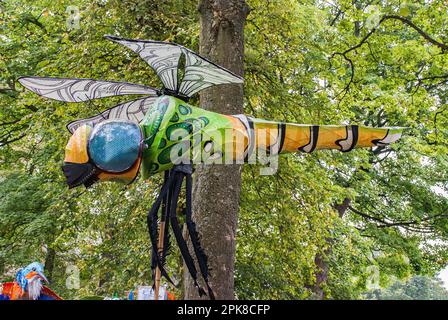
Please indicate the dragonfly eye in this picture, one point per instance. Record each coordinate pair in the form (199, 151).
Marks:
(115, 146)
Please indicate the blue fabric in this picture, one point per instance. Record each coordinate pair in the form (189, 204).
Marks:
(114, 146)
(45, 297)
(21, 280)
(4, 297)
(20, 275)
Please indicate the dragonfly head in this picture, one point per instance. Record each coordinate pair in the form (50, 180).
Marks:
(110, 151)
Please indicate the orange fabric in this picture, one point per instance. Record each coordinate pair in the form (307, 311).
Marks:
(329, 135)
(76, 149)
(126, 176)
(170, 296)
(296, 136)
(31, 275)
(367, 135)
(240, 136)
(266, 134)
(7, 288)
(13, 291)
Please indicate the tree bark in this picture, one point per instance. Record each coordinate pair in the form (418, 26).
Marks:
(321, 261)
(49, 263)
(216, 192)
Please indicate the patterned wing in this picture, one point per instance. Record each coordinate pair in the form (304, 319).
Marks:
(77, 90)
(201, 73)
(132, 110)
(163, 57)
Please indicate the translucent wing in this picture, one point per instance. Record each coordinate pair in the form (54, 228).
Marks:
(77, 90)
(164, 57)
(132, 110)
(201, 73)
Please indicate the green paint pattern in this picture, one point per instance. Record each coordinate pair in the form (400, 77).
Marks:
(173, 126)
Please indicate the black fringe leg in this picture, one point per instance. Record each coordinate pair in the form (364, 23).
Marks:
(191, 226)
(178, 233)
(151, 221)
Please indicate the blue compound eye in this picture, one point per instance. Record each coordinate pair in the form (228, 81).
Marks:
(114, 146)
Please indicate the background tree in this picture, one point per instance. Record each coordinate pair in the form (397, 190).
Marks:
(306, 62)
(416, 288)
(217, 188)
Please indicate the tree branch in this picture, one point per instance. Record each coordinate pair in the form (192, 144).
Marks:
(408, 22)
(412, 223)
(6, 141)
(404, 20)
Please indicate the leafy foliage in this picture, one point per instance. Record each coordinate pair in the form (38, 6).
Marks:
(416, 288)
(307, 62)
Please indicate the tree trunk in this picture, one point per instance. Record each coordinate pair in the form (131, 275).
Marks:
(49, 263)
(321, 261)
(2, 266)
(216, 192)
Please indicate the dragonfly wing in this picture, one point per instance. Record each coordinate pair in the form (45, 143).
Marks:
(134, 110)
(163, 57)
(78, 90)
(201, 73)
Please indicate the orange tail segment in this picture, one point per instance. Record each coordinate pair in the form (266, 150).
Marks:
(277, 137)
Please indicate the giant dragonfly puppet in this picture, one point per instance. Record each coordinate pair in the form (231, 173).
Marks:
(156, 130)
